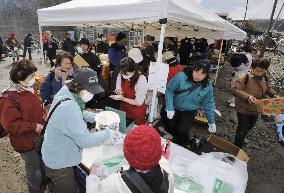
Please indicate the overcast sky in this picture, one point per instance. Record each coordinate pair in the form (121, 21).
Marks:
(257, 9)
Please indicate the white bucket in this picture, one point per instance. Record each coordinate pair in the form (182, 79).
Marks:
(107, 119)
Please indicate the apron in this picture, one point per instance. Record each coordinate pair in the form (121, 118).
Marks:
(135, 113)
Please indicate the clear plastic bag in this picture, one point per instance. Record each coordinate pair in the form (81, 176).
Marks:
(214, 172)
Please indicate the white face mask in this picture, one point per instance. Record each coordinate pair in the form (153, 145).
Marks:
(86, 96)
(80, 50)
(127, 77)
(93, 51)
(31, 82)
(103, 39)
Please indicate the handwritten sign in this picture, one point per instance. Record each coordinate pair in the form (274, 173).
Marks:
(273, 106)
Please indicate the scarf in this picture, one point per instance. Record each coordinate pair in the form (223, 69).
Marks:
(79, 101)
(16, 88)
(62, 75)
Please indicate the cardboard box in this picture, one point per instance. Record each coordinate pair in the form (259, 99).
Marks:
(228, 147)
(80, 62)
(201, 117)
(272, 106)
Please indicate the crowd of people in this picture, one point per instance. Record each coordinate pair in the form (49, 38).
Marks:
(67, 91)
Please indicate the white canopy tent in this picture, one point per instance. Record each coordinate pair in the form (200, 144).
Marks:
(185, 18)
(189, 17)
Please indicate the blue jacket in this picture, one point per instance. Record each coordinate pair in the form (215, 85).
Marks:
(116, 53)
(66, 133)
(200, 97)
(49, 88)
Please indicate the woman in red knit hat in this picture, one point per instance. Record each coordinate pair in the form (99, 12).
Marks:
(142, 150)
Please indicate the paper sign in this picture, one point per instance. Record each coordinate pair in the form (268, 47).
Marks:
(158, 74)
(272, 106)
(80, 62)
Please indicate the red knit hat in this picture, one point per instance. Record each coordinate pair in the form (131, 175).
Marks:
(142, 147)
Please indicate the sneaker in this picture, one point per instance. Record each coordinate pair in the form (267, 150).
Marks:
(232, 104)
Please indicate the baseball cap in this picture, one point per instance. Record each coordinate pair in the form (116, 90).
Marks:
(87, 78)
(84, 41)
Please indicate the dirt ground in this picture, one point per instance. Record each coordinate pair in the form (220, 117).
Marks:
(266, 164)
(265, 168)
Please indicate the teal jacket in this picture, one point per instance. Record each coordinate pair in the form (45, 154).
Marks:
(200, 97)
(67, 134)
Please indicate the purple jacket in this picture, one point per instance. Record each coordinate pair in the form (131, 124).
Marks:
(116, 53)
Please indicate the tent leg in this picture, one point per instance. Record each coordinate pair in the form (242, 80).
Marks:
(219, 59)
(41, 44)
(159, 60)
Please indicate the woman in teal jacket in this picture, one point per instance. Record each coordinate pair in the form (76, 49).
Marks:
(185, 93)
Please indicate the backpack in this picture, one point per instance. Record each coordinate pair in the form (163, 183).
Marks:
(14, 101)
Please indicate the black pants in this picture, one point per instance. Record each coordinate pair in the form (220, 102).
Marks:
(62, 180)
(181, 124)
(25, 52)
(245, 124)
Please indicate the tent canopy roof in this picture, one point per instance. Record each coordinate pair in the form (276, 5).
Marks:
(186, 17)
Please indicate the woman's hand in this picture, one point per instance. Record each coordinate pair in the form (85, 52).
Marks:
(94, 169)
(251, 99)
(39, 127)
(119, 91)
(117, 97)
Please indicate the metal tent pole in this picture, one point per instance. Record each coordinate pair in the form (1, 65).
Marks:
(163, 23)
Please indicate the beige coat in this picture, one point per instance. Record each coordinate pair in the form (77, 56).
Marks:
(259, 88)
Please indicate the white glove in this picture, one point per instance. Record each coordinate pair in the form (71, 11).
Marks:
(212, 128)
(115, 138)
(170, 114)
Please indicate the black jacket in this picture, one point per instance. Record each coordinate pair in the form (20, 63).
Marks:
(102, 47)
(93, 60)
(68, 46)
(28, 41)
(51, 46)
(154, 179)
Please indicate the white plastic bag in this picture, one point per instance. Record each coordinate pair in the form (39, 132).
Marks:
(209, 173)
